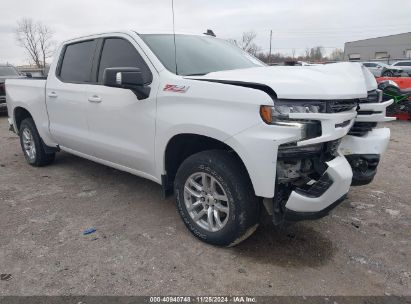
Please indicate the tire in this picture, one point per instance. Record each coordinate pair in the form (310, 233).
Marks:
(388, 74)
(33, 146)
(225, 176)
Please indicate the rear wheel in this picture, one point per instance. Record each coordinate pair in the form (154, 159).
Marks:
(388, 74)
(32, 145)
(215, 198)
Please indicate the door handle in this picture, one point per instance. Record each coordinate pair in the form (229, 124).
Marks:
(52, 95)
(95, 99)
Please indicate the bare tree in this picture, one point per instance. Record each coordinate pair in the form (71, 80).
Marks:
(46, 43)
(36, 38)
(337, 55)
(26, 37)
(247, 42)
(314, 54)
(307, 54)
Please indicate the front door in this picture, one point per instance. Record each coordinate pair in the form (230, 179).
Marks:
(122, 127)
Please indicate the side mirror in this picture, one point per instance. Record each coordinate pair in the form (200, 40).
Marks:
(127, 78)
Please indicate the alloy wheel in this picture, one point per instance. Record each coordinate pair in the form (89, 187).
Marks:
(206, 201)
(29, 145)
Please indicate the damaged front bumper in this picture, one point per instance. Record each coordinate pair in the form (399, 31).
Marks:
(364, 153)
(299, 176)
(312, 176)
(338, 176)
(316, 197)
(374, 142)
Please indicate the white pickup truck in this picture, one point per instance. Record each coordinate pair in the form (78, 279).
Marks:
(223, 131)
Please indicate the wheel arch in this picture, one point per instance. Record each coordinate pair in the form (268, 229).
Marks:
(19, 114)
(181, 146)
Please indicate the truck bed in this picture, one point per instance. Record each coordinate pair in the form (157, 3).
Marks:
(29, 93)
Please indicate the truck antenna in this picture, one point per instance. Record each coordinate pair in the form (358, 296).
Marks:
(174, 37)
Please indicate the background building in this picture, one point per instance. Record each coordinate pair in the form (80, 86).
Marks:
(387, 48)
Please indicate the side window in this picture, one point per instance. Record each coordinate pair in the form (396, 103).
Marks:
(366, 65)
(77, 62)
(119, 53)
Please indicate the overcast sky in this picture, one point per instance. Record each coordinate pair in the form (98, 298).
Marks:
(296, 24)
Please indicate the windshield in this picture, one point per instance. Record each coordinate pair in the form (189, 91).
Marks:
(8, 71)
(198, 55)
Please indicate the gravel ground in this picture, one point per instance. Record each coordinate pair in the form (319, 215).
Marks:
(141, 247)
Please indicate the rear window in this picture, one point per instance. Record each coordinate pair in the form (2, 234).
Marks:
(77, 62)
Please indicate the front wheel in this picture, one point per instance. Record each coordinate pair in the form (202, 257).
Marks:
(32, 145)
(215, 198)
(388, 74)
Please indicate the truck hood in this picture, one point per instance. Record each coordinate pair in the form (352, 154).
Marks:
(319, 82)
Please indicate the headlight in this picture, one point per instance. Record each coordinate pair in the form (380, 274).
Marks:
(279, 113)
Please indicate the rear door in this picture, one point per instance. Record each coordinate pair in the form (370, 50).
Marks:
(66, 96)
(122, 128)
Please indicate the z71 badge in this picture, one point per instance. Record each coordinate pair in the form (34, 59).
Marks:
(176, 88)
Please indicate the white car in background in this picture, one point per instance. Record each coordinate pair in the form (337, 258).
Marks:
(379, 69)
(404, 65)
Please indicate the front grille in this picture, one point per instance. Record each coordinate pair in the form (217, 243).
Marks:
(361, 128)
(336, 106)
